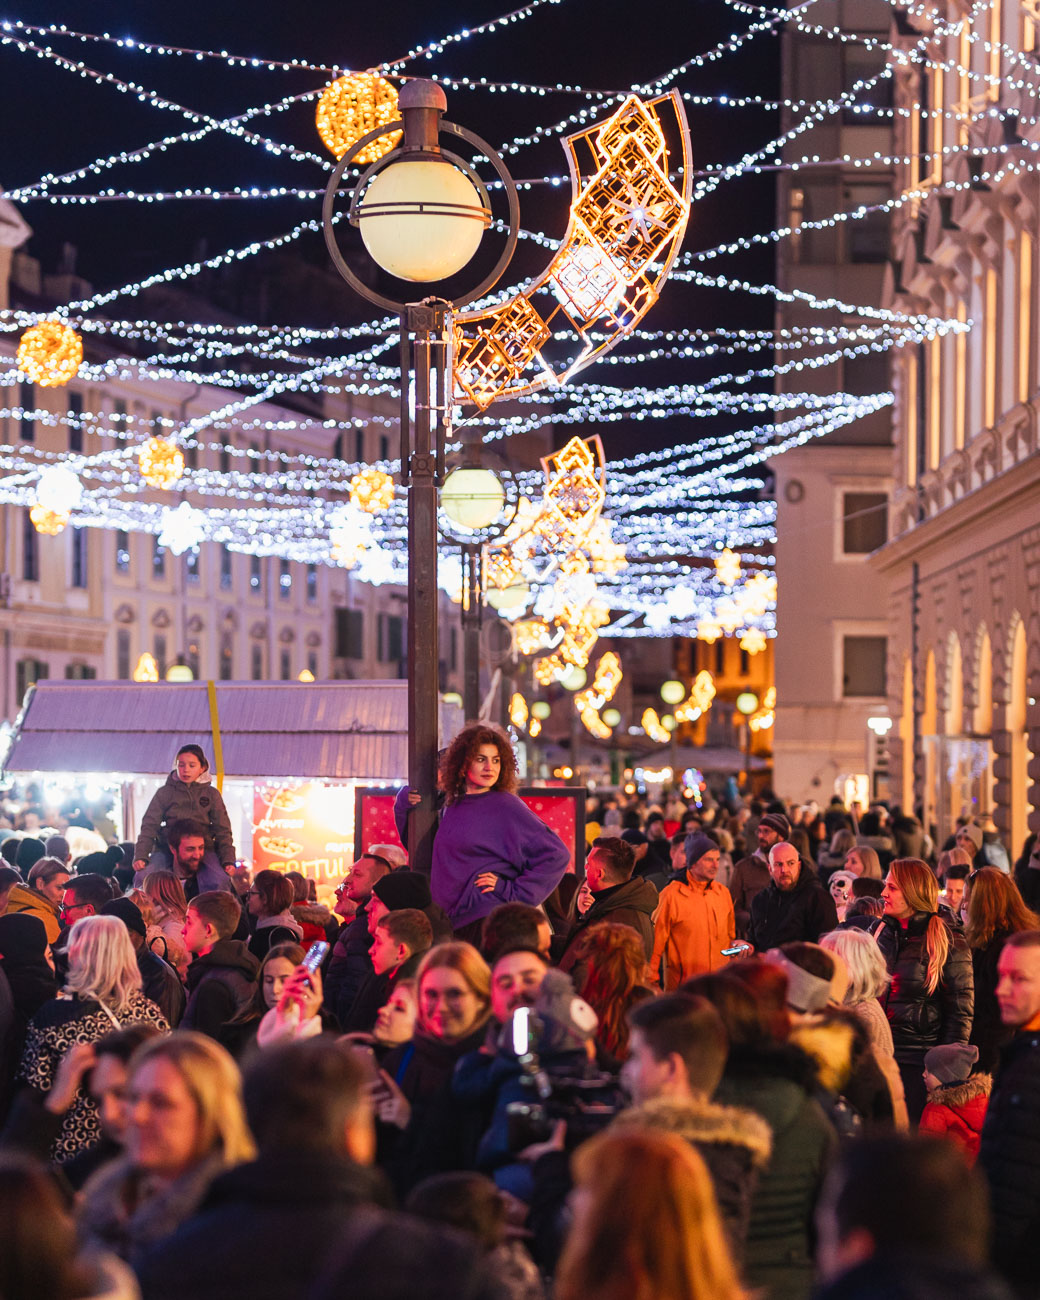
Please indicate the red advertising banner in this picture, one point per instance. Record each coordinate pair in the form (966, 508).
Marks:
(562, 810)
(305, 826)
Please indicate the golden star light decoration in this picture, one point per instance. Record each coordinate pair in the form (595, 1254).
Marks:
(47, 521)
(350, 107)
(727, 568)
(372, 490)
(50, 353)
(753, 641)
(161, 462)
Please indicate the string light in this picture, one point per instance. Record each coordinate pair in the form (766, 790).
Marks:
(161, 462)
(372, 491)
(352, 106)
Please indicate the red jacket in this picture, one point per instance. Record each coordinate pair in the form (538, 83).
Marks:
(957, 1112)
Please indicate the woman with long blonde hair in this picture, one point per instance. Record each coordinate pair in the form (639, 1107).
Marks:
(185, 1125)
(102, 992)
(646, 1225)
(931, 997)
(996, 910)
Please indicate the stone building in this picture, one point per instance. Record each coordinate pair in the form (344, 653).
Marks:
(832, 492)
(963, 560)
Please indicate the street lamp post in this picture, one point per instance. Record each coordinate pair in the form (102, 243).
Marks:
(421, 211)
(747, 703)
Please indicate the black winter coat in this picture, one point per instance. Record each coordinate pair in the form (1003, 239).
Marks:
(349, 966)
(777, 1084)
(920, 1019)
(988, 1033)
(220, 986)
(795, 915)
(632, 903)
(265, 1230)
(1009, 1156)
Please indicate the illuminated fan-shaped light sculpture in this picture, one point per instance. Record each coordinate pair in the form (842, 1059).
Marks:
(372, 490)
(350, 107)
(161, 462)
(50, 354)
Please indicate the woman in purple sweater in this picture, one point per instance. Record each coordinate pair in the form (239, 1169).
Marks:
(490, 848)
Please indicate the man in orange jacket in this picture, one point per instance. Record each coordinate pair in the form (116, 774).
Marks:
(694, 920)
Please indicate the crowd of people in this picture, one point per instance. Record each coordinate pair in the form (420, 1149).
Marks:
(763, 1051)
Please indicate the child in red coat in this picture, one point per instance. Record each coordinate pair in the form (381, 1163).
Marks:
(957, 1099)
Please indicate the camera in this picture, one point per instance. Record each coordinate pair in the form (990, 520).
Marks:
(587, 1100)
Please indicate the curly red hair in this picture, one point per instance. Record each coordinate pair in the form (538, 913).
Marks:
(451, 776)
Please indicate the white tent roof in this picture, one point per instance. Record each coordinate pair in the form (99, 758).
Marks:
(345, 730)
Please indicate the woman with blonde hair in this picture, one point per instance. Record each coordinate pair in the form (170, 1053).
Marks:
(930, 1000)
(186, 1124)
(996, 911)
(646, 1225)
(868, 979)
(862, 860)
(102, 992)
(170, 909)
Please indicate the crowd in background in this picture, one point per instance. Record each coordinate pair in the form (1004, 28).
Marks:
(761, 1051)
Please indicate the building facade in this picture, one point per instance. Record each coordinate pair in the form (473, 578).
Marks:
(832, 492)
(963, 561)
(89, 601)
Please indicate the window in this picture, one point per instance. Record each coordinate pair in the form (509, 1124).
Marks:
(863, 665)
(865, 522)
(256, 573)
(193, 660)
(27, 402)
(119, 421)
(159, 651)
(257, 661)
(864, 64)
(867, 236)
(350, 634)
(225, 460)
(78, 538)
(359, 445)
(453, 656)
(226, 658)
(80, 673)
(312, 582)
(122, 551)
(390, 639)
(28, 671)
(75, 422)
(384, 447)
(225, 568)
(867, 375)
(191, 453)
(123, 654)
(312, 662)
(284, 579)
(720, 655)
(285, 665)
(745, 663)
(30, 550)
(158, 558)
(192, 568)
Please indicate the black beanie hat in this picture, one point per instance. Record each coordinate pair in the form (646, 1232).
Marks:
(128, 912)
(402, 889)
(30, 851)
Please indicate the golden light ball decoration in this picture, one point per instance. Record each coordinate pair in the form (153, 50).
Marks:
(50, 353)
(161, 462)
(372, 490)
(353, 105)
(47, 521)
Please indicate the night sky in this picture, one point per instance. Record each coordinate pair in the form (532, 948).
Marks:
(57, 121)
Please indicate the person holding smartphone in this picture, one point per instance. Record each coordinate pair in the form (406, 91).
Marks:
(297, 1013)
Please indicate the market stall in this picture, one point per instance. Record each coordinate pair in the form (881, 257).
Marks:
(287, 755)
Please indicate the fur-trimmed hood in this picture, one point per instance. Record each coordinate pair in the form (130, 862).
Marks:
(704, 1122)
(959, 1094)
(312, 914)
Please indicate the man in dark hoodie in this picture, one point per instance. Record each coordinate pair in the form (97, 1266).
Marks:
(222, 974)
(794, 908)
(617, 895)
